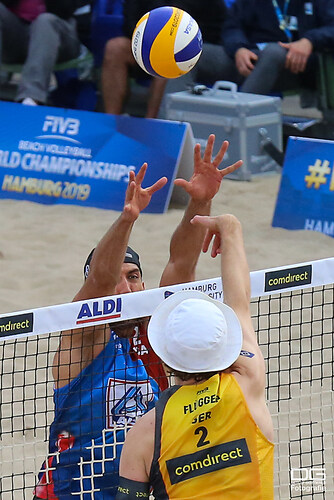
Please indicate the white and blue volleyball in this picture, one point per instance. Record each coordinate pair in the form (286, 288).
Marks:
(167, 42)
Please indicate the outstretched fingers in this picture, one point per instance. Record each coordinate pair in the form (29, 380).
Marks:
(207, 156)
(141, 174)
(197, 153)
(181, 182)
(138, 180)
(129, 196)
(231, 168)
(159, 184)
(130, 191)
(221, 153)
(132, 177)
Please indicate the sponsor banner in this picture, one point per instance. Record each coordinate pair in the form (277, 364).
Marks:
(208, 460)
(142, 304)
(106, 310)
(287, 278)
(17, 324)
(306, 195)
(54, 155)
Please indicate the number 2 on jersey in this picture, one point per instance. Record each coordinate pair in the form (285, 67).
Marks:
(203, 431)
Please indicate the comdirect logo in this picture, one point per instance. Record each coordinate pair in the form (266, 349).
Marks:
(99, 310)
(14, 325)
(208, 460)
(287, 278)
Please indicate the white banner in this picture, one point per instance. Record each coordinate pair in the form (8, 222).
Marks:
(140, 304)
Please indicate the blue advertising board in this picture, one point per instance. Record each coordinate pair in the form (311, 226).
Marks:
(55, 155)
(306, 195)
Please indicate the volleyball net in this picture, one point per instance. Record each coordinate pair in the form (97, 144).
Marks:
(292, 311)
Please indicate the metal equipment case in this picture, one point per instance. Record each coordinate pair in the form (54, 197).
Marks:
(248, 121)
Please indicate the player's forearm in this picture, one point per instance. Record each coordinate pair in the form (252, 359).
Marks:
(234, 266)
(107, 260)
(186, 245)
(186, 242)
(109, 254)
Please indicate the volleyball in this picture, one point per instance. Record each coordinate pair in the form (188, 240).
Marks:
(167, 42)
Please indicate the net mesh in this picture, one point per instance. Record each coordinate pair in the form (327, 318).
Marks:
(295, 332)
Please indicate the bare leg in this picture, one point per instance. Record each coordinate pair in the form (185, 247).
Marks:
(115, 70)
(157, 89)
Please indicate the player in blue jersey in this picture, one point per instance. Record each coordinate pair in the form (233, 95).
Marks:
(105, 379)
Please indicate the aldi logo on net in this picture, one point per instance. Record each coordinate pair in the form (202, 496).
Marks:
(99, 310)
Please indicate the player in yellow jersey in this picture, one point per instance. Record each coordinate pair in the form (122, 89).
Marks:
(211, 436)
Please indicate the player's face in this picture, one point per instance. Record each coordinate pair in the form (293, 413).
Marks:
(130, 280)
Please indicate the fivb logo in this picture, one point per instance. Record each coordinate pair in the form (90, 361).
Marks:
(61, 125)
(99, 310)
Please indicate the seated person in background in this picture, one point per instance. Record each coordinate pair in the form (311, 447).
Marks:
(37, 33)
(270, 45)
(119, 62)
(210, 436)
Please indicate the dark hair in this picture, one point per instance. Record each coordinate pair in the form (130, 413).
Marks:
(131, 257)
(184, 376)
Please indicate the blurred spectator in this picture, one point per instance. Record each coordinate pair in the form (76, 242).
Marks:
(119, 62)
(39, 33)
(271, 44)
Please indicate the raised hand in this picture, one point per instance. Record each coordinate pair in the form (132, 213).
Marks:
(215, 226)
(206, 179)
(137, 198)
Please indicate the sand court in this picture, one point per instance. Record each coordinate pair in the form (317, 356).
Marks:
(42, 252)
(43, 247)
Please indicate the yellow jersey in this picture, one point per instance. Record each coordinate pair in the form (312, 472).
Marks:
(208, 446)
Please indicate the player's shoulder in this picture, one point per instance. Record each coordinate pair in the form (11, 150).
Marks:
(249, 369)
(143, 428)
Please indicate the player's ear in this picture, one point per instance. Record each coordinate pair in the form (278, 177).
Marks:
(143, 285)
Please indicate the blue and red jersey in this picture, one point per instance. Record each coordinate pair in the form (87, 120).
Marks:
(92, 414)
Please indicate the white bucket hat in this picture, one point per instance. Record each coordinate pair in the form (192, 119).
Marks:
(193, 333)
